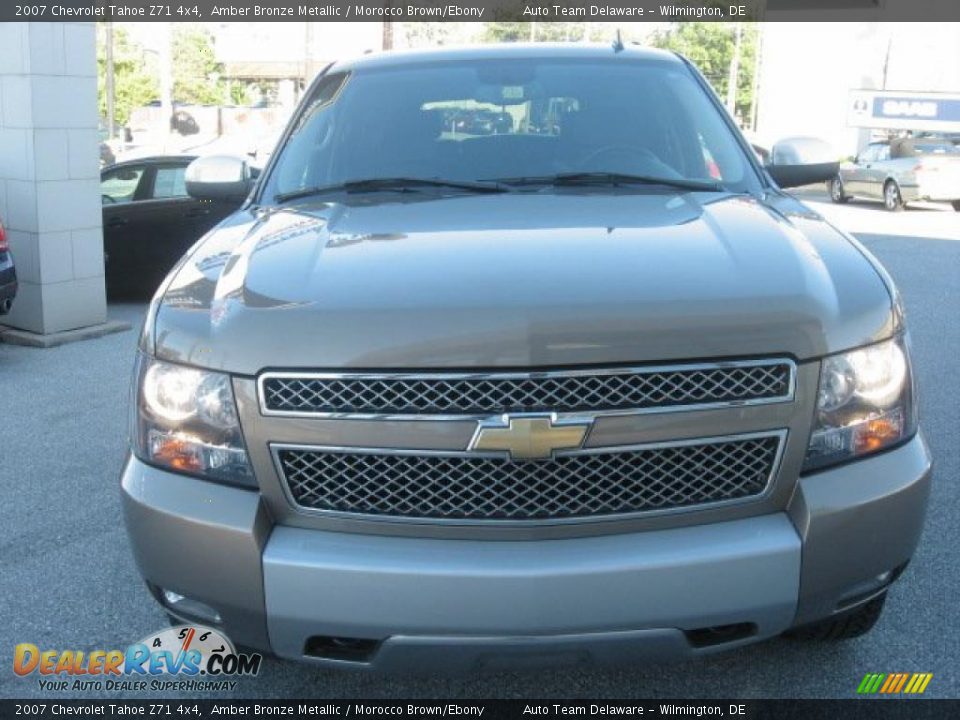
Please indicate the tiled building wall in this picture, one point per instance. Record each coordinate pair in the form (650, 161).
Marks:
(49, 174)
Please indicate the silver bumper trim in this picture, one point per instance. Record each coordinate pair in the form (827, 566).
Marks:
(321, 583)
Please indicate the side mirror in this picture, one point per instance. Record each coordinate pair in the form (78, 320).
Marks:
(802, 161)
(219, 177)
(763, 155)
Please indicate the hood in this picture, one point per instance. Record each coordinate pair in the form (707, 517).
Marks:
(519, 280)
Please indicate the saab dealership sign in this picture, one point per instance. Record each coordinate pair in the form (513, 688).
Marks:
(904, 110)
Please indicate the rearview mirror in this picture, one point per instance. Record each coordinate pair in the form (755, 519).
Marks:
(219, 177)
(802, 161)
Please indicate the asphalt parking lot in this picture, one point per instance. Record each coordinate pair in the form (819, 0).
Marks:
(69, 582)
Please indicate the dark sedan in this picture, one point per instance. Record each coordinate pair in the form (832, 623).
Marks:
(149, 222)
(8, 274)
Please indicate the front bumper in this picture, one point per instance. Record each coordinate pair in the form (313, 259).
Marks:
(442, 604)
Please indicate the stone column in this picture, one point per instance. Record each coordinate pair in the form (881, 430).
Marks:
(50, 176)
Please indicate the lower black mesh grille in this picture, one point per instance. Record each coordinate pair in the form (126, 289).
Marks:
(485, 488)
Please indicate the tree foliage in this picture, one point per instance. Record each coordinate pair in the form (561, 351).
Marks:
(134, 83)
(435, 34)
(537, 31)
(196, 72)
(710, 46)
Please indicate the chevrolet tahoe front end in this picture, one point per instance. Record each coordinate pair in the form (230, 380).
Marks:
(505, 419)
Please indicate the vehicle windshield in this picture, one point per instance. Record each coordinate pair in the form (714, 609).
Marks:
(516, 119)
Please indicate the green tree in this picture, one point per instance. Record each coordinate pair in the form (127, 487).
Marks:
(710, 46)
(134, 83)
(433, 34)
(426, 34)
(239, 93)
(196, 72)
(541, 31)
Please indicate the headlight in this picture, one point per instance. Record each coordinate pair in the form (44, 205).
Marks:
(185, 419)
(865, 403)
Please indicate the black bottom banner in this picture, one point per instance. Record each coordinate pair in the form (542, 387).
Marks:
(853, 709)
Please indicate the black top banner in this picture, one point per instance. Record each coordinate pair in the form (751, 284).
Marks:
(478, 10)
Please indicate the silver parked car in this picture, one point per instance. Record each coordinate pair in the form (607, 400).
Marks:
(588, 387)
(901, 171)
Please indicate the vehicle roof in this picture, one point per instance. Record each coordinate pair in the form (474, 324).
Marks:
(150, 160)
(505, 51)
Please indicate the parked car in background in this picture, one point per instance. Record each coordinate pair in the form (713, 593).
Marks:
(900, 171)
(149, 222)
(8, 274)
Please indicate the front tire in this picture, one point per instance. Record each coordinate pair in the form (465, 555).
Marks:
(847, 626)
(835, 187)
(956, 205)
(892, 200)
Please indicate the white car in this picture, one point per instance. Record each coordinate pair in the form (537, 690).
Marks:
(900, 171)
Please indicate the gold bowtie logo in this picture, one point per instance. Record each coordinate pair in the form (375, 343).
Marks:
(529, 438)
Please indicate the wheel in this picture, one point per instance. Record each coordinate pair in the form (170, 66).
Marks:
(956, 205)
(891, 197)
(850, 625)
(835, 186)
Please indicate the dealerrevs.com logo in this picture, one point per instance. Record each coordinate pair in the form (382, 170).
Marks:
(183, 658)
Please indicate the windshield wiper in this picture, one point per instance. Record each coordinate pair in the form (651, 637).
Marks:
(582, 179)
(398, 184)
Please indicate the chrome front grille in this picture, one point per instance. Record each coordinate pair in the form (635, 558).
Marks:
(585, 483)
(623, 389)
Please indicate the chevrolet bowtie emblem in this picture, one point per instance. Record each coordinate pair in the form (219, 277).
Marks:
(529, 438)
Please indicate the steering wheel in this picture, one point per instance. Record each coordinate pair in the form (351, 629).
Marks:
(619, 152)
(107, 199)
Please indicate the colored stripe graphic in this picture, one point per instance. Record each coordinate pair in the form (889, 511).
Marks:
(890, 683)
(903, 681)
(894, 683)
(919, 683)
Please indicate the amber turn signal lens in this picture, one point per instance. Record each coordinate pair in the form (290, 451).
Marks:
(176, 452)
(879, 432)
